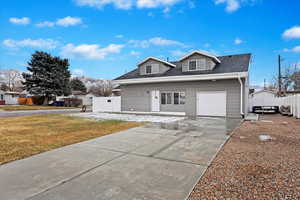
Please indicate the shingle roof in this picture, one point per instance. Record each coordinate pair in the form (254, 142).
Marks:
(231, 63)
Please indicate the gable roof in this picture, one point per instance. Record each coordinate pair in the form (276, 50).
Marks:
(229, 64)
(158, 60)
(204, 53)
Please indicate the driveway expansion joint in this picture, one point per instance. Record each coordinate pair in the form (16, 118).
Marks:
(74, 177)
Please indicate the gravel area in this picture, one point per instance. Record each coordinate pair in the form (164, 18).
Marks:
(129, 117)
(250, 168)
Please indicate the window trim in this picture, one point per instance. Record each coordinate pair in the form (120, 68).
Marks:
(146, 67)
(172, 97)
(192, 60)
(180, 98)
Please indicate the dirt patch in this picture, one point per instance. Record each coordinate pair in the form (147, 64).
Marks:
(248, 168)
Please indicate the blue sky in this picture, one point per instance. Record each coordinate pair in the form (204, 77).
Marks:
(105, 38)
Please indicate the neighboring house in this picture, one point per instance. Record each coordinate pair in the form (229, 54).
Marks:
(9, 97)
(289, 93)
(199, 84)
(2, 101)
(263, 98)
(87, 98)
(116, 91)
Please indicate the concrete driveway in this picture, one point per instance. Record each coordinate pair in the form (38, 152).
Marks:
(158, 161)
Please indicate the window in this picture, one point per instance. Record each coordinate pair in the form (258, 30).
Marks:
(175, 98)
(179, 98)
(1, 97)
(163, 98)
(166, 98)
(182, 98)
(148, 69)
(192, 65)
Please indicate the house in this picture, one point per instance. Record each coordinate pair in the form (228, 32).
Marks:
(87, 98)
(264, 101)
(198, 84)
(9, 97)
(116, 91)
(289, 93)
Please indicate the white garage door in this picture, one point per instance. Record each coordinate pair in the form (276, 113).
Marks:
(211, 103)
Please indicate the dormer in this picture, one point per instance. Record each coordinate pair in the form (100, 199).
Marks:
(199, 61)
(152, 65)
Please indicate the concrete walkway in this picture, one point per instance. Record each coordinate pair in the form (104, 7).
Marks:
(159, 161)
(35, 112)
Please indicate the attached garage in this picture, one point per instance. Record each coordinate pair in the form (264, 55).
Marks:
(212, 103)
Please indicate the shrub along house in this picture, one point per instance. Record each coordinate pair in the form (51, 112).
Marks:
(199, 84)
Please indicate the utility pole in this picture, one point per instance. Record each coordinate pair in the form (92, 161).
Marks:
(265, 84)
(279, 74)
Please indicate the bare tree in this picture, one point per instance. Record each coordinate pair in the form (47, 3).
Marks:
(290, 79)
(102, 89)
(12, 78)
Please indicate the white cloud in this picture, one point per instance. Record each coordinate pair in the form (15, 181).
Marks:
(119, 36)
(65, 22)
(156, 41)
(231, 5)
(206, 45)
(120, 4)
(134, 53)
(155, 3)
(90, 51)
(69, 21)
(77, 72)
(238, 41)
(177, 53)
(127, 4)
(39, 43)
(291, 33)
(164, 42)
(150, 14)
(45, 24)
(296, 49)
(19, 21)
(166, 10)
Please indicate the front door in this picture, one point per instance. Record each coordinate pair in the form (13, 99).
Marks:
(155, 101)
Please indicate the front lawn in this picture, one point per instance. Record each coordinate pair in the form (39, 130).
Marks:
(24, 136)
(30, 107)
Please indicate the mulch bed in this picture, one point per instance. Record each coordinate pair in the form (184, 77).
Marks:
(248, 168)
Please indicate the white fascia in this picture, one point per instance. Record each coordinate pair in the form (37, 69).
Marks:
(156, 59)
(233, 75)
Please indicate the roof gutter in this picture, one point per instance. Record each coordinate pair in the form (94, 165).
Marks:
(182, 78)
(242, 91)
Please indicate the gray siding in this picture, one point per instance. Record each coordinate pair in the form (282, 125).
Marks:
(136, 97)
(161, 69)
(208, 62)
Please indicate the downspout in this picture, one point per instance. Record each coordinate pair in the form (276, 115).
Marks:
(242, 91)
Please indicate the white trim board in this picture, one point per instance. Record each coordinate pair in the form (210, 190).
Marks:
(183, 78)
(201, 53)
(157, 59)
